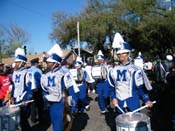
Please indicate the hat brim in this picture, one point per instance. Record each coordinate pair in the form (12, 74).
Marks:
(52, 60)
(76, 65)
(100, 58)
(123, 51)
(19, 60)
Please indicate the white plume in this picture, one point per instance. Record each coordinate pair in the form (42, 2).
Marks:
(19, 51)
(56, 49)
(118, 41)
(100, 53)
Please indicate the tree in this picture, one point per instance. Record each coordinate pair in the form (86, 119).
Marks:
(13, 37)
(145, 24)
(64, 28)
(92, 26)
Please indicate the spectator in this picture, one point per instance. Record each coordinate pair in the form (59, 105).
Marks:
(5, 85)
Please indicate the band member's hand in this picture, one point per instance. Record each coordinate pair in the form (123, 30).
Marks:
(7, 98)
(149, 104)
(24, 103)
(12, 100)
(115, 102)
(8, 101)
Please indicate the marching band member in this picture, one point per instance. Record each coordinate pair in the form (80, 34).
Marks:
(90, 81)
(138, 61)
(53, 83)
(38, 105)
(65, 68)
(81, 83)
(102, 87)
(127, 81)
(22, 91)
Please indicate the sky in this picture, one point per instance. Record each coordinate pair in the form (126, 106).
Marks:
(34, 16)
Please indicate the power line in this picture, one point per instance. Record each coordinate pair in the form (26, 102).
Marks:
(29, 10)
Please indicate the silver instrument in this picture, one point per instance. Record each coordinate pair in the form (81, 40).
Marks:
(77, 74)
(133, 122)
(99, 72)
(9, 118)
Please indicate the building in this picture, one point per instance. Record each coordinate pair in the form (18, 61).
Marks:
(69, 56)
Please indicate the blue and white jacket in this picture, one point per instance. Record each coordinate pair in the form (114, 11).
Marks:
(127, 82)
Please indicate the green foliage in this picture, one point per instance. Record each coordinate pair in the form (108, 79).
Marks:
(146, 25)
(11, 38)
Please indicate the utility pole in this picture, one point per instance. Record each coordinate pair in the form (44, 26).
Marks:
(78, 38)
(172, 7)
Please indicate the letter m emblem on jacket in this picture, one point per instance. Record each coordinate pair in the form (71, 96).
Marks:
(121, 75)
(17, 78)
(51, 81)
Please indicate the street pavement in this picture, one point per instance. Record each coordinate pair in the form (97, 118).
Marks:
(91, 120)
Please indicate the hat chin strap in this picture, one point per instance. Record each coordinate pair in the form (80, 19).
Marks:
(129, 56)
(53, 66)
(20, 65)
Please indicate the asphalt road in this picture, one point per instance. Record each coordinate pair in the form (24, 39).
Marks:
(92, 120)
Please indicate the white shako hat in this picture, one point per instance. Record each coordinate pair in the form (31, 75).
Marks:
(78, 61)
(100, 55)
(20, 55)
(55, 54)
